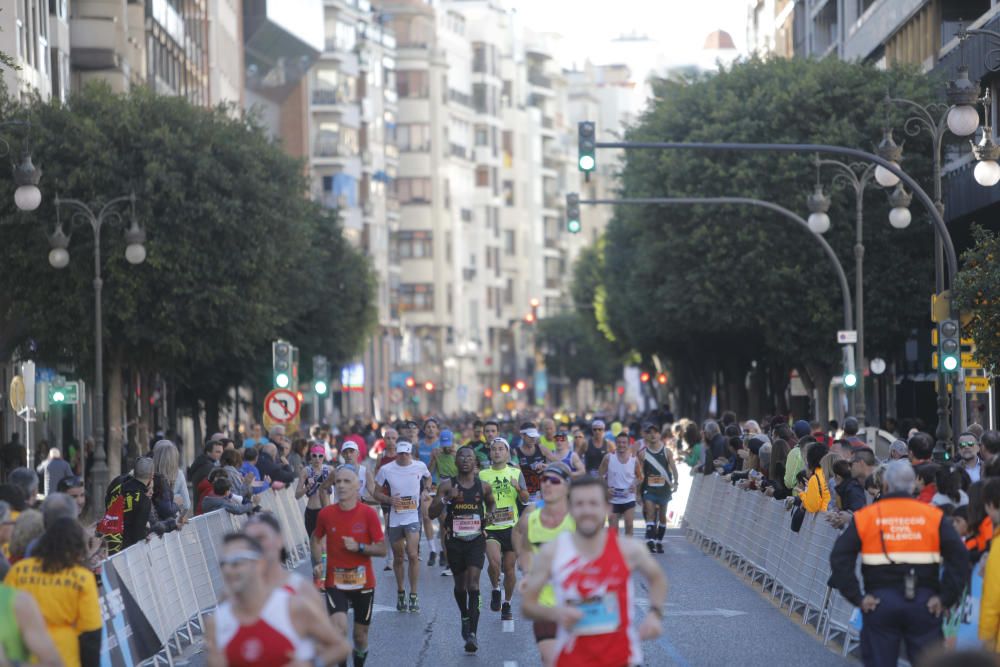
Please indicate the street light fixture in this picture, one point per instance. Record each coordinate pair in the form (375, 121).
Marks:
(27, 197)
(135, 253)
(899, 214)
(819, 204)
(963, 95)
(987, 171)
(889, 150)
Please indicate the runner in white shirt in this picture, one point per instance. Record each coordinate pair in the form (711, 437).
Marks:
(407, 481)
(623, 473)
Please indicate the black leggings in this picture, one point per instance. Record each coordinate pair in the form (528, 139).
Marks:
(311, 516)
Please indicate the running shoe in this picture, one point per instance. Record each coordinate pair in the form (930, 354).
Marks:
(495, 601)
(651, 546)
(401, 601)
(431, 559)
(505, 613)
(659, 547)
(466, 628)
(414, 605)
(471, 645)
(446, 572)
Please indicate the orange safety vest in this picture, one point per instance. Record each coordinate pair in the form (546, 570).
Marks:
(899, 531)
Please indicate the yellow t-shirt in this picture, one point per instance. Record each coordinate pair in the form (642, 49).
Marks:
(68, 600)
(547, 444)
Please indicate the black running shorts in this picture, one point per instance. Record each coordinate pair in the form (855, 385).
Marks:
(362, 600)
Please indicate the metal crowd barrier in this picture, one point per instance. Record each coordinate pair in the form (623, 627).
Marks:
(752, 533)
(176, 581)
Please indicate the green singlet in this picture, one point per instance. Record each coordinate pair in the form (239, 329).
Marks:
(10, 635)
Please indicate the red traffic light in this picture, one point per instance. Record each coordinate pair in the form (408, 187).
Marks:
(620, 389)
(520, 385)
(644, 377)
(488, 393)
(662, 378)
(410, 382)
(429, 386)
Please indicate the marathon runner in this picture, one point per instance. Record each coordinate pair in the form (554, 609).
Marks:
(508, 487)
(314, 482)
(407, 482)
(386, 456)
(353, 535)
(425, 449)
(590, 570)
(349, 452)
(623, 473)
(539, 525)
(564, 453)
(259, 625)
(469, 502)
(532, 462)
(24, 637)
(658, 484)
(478, 437)
(597, 448)
(491, 431)
(265, 528)
(443, 467)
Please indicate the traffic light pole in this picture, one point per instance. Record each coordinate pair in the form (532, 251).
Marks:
(944, 430)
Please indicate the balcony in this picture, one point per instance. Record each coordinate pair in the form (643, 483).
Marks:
(552, 201)
(458, 151)
(459, 97)
(328, 97)
(539, 79)
(548, 122)
(553, 283)
(94, 43)
(551, 242)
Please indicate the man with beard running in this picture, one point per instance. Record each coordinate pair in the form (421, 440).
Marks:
(659, 481)
(508, 488)
(538, 526)
(353, 535)
(259, 625)
(467, 502)
(532, 462)
(591, 570)
(596, 449)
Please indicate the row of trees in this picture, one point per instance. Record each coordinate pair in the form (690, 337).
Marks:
(735, 296)
(237, 255)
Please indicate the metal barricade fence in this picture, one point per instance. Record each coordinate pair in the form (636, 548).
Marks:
(752, 532)
(176, 580)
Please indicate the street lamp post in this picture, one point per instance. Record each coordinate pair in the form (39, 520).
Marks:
(960, 118)
(135, 253)
(857, 176)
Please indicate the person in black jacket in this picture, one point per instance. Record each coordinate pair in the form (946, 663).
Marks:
(206, 461)
(849, 490)
(716, 446)
(271, 466)
(135, 489)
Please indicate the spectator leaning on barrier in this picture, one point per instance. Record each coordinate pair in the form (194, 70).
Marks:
(270, 464)
(913, 564)
(206, 461)
(989, 609)
(816, 497)
(66, 592)
(850, 494)
(221, 497)
(135, 490)
(166, 460)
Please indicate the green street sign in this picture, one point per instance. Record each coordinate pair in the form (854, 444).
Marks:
(67, 393)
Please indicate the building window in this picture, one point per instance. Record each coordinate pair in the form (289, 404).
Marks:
(466, 214)
(482, 135)
(332, 140)
(419, 296)
(415, 245)
(413, 84)
(413, 190)
(508, 292)
(509, 242)
(508, 193)
(479, 57)
(413, 137)
(482, 176)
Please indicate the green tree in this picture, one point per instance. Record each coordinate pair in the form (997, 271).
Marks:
(977, 293)
(236, 255)
(715, 289)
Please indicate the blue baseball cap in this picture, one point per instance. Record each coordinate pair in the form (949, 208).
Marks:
(445, 438)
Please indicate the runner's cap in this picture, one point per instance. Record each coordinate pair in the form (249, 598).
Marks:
(597, 423)
(557, 468)
(446, 438)
(354, 446)
(403, 447)
(317, 449)
(531, 433)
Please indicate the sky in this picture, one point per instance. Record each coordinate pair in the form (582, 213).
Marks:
(676, 31)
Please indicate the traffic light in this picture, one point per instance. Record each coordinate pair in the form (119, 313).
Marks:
(586, 137)
(505, 388)
(661, 378)
(281, 361)
(644, 377)
(429, 386)
(850, 375)
(949, 345)
(321, 375)
(57, 395)
(520, 385)
(573, 225)
(410, 382)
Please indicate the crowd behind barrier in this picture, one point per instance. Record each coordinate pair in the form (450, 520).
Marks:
(751, 532)
(156, 594)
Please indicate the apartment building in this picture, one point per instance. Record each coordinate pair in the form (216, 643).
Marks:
(35, 33)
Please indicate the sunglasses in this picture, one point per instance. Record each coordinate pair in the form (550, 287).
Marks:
(552, 480)
(967, 443)
(598, 428)
(316, 456)
(238, 559)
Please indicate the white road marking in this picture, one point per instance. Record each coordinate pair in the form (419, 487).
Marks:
(509, 663)
(508, 626)
(643, 603)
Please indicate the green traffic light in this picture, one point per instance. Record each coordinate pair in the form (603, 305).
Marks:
(321, 387)
(850, 380)
(587, 162)
(950, 363)
(573, 226)
(281, 380)
(58, 396)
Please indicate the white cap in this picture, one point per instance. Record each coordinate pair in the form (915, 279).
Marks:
(402, 447)
(531, 433)
(351, 445)
(597, 423)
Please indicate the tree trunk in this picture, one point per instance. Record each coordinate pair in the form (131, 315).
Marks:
(196, 420)
(145, 426)
(756, 395)
(212, 414)
(779, 387)
(115, 413)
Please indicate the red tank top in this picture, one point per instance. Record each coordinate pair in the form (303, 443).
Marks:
(270, 641)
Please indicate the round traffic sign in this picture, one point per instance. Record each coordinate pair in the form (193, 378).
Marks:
(17, 394)
(877, 365)
(282, 405)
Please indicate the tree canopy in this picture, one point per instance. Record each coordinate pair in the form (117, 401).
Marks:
(731, 289)
(977, 291)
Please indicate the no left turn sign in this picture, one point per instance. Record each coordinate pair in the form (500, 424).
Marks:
(282, 405)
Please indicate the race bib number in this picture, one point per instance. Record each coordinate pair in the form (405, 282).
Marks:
(600, 615)
(406, 504)
(619, 494)
(467, 526)
(503, 516)
(656, 480)
(349, 579)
